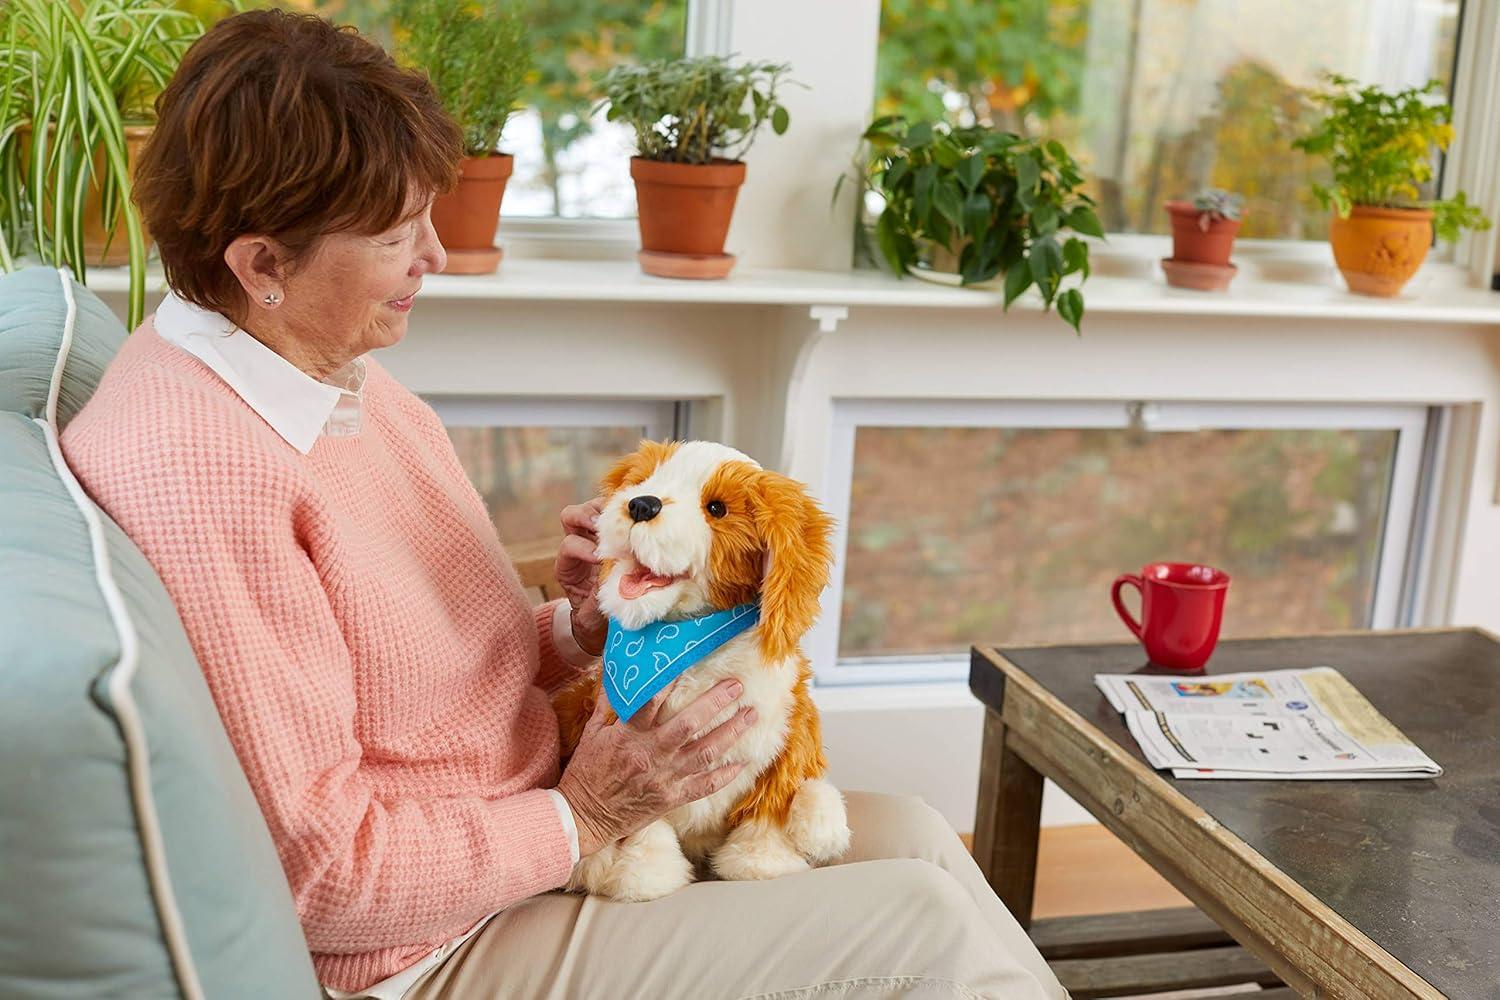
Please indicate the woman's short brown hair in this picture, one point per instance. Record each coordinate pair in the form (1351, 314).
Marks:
(282, 124)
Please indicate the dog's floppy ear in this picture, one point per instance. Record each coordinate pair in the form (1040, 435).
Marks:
(796, 533)
(637, 466)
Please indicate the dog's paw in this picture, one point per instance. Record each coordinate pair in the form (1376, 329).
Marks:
(757, 850)
(646, 865)
(817, 824)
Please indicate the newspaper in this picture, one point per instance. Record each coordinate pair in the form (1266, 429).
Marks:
(1287, 724)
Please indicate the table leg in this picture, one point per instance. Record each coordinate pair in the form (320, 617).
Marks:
(1008, 820)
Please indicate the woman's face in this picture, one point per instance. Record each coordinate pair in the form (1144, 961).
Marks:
(354, 292)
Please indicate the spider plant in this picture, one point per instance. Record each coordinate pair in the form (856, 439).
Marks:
(73, 74)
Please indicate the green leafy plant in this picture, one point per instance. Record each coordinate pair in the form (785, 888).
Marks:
(992, 201)
(477, 54)
(1380, 146)
(72, 76)
(1216, 203)
(696, 110)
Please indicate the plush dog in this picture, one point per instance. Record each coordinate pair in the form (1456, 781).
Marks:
(695, 529)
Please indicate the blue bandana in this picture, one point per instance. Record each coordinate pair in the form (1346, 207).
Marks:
(638, 663)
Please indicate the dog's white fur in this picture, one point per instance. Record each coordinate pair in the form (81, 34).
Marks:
(660, 858)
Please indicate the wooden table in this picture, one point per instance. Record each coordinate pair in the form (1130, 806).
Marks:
(1358, 889)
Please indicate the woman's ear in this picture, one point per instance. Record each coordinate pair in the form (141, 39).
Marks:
(797, 535)
(636, 467)
(255, 261)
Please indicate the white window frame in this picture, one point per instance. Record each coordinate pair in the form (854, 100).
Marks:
(1472, 162)
(657, 418)
(1413, 471)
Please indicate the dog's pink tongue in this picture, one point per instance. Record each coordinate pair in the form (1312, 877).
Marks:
(634, 584)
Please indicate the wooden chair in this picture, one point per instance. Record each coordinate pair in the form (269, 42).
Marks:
(535, 562)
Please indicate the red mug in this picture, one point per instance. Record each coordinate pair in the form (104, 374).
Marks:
(1182, 605)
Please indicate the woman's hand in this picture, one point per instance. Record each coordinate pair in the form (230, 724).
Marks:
(577, 570)
(625, 775)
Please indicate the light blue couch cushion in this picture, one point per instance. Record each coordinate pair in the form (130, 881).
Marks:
(122, 873)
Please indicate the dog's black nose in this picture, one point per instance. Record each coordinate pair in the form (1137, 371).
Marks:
(644, 508)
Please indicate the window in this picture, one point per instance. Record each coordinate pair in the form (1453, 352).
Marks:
(530, 459)
(1159, 98)
(976, 522)
(569, 162)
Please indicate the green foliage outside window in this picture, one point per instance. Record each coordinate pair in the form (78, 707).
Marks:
(1011, 64)
(1106, 78)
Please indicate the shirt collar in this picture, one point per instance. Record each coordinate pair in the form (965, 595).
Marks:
(295, 405)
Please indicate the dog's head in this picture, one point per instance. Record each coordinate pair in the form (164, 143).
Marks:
(693, 527)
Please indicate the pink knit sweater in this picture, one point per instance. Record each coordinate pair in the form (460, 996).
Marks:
(381, 674)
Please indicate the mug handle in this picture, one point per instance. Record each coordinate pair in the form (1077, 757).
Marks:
(1114, 593)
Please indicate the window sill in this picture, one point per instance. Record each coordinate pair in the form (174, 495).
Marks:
(1440, 293)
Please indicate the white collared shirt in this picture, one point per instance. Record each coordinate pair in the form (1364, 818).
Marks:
(297, 406)
(301, 409)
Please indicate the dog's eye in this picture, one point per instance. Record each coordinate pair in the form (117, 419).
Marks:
(716, 508)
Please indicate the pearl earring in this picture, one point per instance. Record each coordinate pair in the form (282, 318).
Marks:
(272, 298)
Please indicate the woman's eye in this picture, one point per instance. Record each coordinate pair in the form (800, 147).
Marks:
(716, 508)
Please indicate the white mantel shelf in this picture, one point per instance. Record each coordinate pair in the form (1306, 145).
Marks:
(1437, 295)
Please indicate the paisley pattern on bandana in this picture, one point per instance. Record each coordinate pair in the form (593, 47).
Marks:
(640, 662)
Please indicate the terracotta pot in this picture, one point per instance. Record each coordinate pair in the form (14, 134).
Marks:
(467, 217)
(1379, 249)
(685, 208)
(95, 236)
(1192, 243)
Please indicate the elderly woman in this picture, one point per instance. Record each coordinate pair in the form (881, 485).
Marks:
(379, 671)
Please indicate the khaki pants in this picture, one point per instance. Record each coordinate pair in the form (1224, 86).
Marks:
(905, 913)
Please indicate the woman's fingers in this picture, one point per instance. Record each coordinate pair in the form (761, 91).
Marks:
(702, 753)
(700, 786)
(579, 548)
(686, 724)
(644, 719)
(599, 717)
(580, 519)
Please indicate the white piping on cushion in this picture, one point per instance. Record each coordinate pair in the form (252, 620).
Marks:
(137, 753)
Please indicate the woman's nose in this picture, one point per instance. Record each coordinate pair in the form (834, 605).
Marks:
(438, 257)
(433, 258)
(644, 508)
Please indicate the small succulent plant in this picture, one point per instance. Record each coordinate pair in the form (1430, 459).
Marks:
(1216, 203)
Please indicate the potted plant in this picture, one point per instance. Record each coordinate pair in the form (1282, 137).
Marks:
(693, 119)
(974, 203)
(1380, 147)
(81, 80)
(477, 55)
(1203, 232)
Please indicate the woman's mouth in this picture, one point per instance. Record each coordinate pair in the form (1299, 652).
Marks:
(403, 305)
(642, 581)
